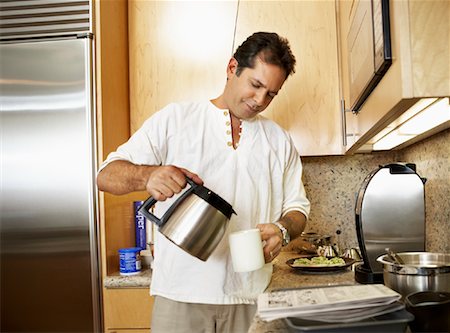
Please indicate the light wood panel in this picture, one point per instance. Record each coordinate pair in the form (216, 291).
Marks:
(121, 308)
(119, 227)
(360, 50)
(345, 11)
(308, 104)
(111, 41)
(127, 308)
(179, 51)
(430, 47)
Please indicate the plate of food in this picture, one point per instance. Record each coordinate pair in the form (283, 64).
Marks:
(319, 264)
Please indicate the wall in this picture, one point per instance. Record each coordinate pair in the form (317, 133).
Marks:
(432, 157)
(332, 184)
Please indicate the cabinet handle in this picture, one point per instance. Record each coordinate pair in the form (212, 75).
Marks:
(344, 123)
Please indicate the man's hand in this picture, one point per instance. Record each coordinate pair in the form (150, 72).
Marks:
(271, 235)
(293, 221)
(122, 177)
(167, 180)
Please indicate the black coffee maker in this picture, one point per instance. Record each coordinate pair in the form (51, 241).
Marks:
(390, 213)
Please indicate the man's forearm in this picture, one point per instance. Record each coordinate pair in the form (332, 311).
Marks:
(294, 222)
(122, 177)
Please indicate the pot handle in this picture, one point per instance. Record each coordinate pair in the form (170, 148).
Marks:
(145, 207)
(144, 210)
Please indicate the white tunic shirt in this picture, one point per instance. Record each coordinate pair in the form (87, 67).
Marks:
(261, 179)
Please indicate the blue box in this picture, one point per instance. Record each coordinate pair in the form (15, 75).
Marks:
(139, 221)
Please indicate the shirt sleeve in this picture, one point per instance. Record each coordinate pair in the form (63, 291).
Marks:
(147, 146)
(294, 191)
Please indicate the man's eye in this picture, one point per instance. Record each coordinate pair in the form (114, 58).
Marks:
(255, 85)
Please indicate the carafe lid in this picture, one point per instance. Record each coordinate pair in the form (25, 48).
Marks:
(213, 199)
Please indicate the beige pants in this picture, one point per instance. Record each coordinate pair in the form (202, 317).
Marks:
(177, 317)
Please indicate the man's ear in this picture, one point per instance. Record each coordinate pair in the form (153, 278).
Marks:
(232, 67)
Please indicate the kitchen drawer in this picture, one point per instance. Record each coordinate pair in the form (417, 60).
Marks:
(127, 309)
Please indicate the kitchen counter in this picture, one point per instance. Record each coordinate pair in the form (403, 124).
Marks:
(140, 280)
(284, 277)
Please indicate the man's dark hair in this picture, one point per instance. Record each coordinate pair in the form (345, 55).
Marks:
(270, 47)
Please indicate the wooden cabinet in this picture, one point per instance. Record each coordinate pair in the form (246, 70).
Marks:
(308, 104)
(124, 310)
(345, 16)
(420, 66)
(180, 50)
(113, 122)
(127, 310)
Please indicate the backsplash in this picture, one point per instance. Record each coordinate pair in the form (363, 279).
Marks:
(333, 182)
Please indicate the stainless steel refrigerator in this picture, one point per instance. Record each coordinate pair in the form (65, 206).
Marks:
(49, 249)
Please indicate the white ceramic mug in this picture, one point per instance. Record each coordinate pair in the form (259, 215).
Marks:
(246, 250)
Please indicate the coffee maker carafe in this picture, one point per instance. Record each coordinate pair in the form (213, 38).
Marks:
(390, 213)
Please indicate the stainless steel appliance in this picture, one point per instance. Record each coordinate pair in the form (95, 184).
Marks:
(390, 213)
(49, 256)
(196, 221)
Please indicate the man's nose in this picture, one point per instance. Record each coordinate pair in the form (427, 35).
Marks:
(259, 98)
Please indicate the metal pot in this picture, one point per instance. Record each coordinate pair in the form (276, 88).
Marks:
(196, 221)
(431, 310)
(421, 271)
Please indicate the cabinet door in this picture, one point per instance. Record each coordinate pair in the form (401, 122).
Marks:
(127, 308)
(345, 13)
(179, 51)
(308, 104)
(420, 66)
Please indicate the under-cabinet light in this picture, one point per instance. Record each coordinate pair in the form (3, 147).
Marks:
(422, 117)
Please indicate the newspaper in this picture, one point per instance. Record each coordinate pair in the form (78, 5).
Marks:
(330, 304)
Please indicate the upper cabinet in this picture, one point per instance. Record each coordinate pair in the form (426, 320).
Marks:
(419, 35)
(308, 104)
(180, 50)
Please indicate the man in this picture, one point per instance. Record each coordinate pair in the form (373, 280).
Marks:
(246, 159)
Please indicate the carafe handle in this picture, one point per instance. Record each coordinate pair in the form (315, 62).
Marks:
(145, 210)
(145, 207)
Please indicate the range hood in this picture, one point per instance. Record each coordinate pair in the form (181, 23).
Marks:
(416, 87)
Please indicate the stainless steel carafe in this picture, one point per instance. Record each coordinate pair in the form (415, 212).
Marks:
(196, 221)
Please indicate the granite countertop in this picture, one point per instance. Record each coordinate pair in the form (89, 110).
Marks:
(140, 280)
(283, 277)
(286, 277)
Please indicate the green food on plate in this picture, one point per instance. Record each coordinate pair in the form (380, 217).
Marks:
(319, 261)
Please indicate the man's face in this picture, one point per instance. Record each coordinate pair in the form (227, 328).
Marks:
(252, 91)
